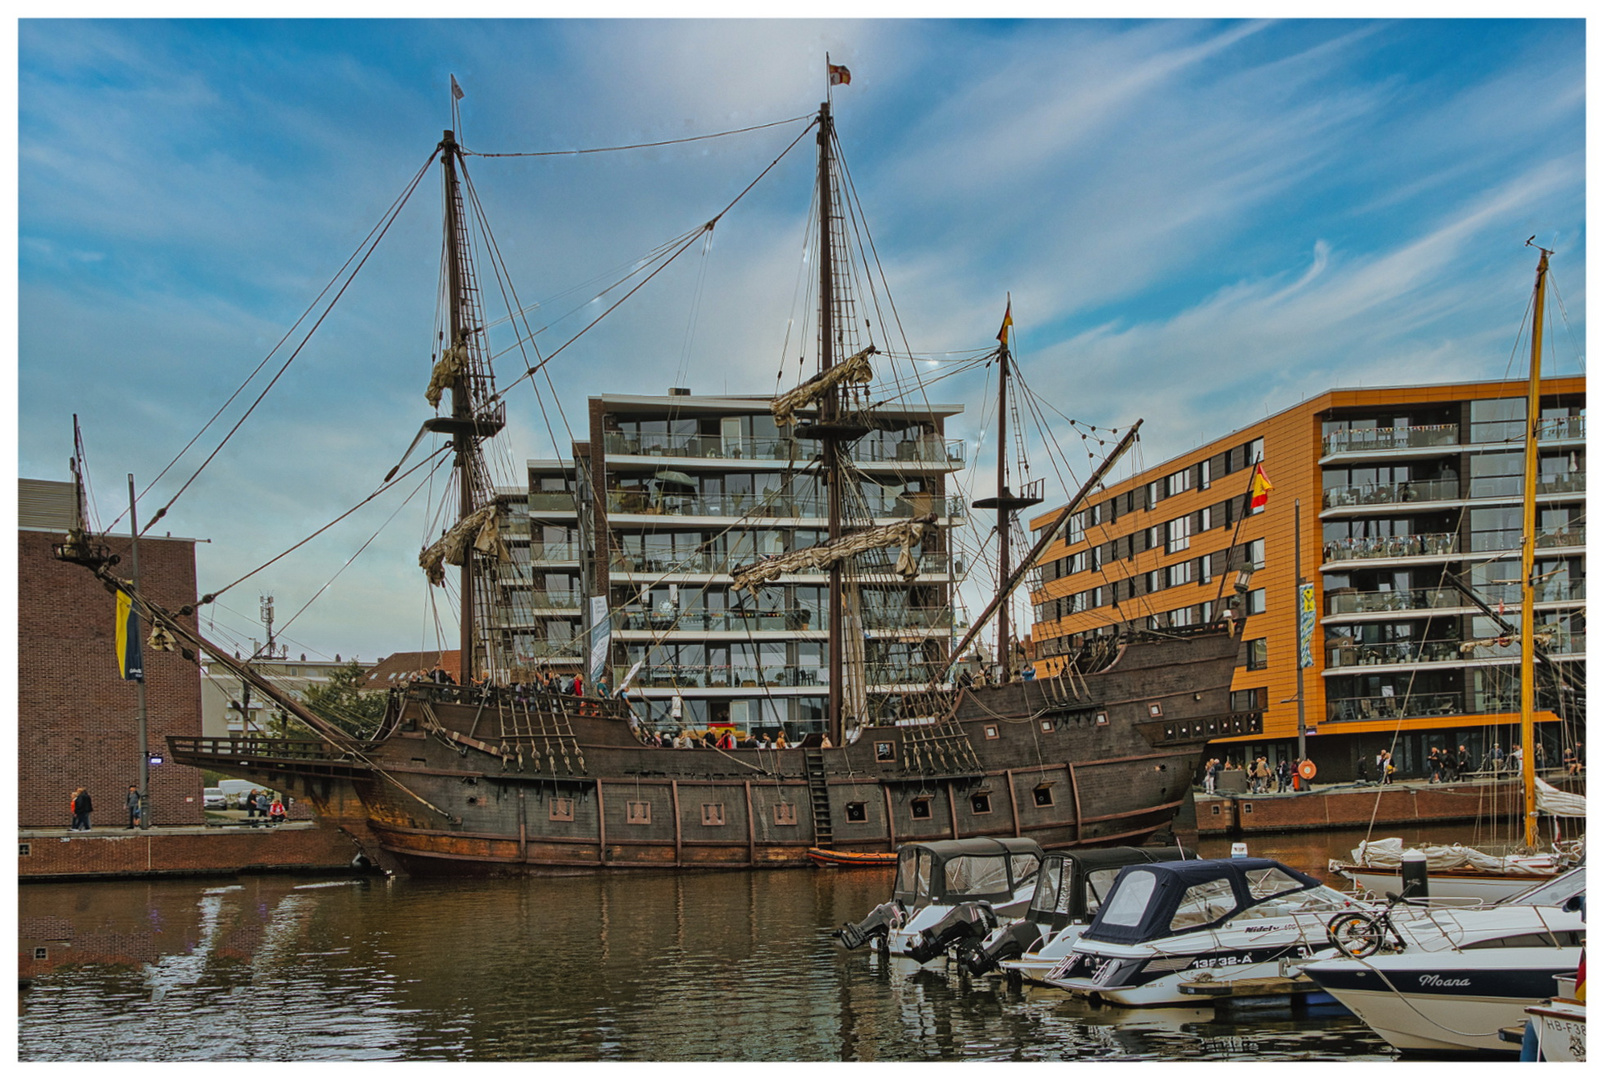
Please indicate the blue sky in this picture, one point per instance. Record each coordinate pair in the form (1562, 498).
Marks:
(1199, 222)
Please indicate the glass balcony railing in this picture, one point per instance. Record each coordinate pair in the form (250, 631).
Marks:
(1570, 483)
(1572, 537)
(794, 619)
(1548, 591)
(1353, 602)
(1390, 708)
(722, 676)
(773, 505)
(549, 552)
(1406, 491)
(1562, 427)
(703, 563)
(1395, 652)
(1357, 440)
(548, 501)
(930, 450)
(1390, 547)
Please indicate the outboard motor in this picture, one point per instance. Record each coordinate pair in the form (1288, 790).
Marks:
(881, 921)
(1007, 943)
(965, 924)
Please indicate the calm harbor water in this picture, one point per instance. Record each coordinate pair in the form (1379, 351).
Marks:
(730, 966)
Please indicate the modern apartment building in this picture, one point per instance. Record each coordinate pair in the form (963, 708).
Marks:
(637, 535)
(1407, 501)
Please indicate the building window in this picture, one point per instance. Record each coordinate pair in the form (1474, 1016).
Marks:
(1179, 574)
(637, 812)
(857, 812)
(1152, 494)
(921, 809)
(785, 813)
(1256, 602)
(1177, 535)
(1258, 657)
(1042, 795)
(1204, 477)
(1247, 700)
(712, 813)
(1177, 482)
(980, 802)
(561, 810)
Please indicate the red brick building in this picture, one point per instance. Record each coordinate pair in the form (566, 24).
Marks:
(77, 719)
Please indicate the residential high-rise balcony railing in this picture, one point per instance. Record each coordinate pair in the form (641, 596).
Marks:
(1405, 491)
(1396, 652)
(1390, 547)
(1389, 708)
(705, 563)
(1357, 440)
(794, 619)
(930, 450)
(1354, 602)
(774, 505)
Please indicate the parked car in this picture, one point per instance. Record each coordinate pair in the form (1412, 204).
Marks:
(215, 799)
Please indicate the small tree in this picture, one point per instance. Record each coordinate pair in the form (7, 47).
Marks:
(343, 702)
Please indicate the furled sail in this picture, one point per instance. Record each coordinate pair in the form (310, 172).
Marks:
(854, 369)
(1551, 800)
(478, 527)
(452, 362)
(824, 556)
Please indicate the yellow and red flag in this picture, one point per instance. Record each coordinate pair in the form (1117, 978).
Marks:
(839, 75)
(1261, 487)
(1008, 320)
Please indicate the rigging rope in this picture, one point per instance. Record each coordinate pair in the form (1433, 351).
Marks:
(640, 146)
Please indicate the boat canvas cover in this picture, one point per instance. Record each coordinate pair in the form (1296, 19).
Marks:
(979, 868)
(1163, 899)
(1072, 883)
(1388, 855)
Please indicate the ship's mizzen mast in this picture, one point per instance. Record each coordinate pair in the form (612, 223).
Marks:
(463, 370)
(1005, 502)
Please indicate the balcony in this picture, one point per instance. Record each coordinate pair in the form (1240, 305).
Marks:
(1407, 491)
(1442, 651)
(1353, 602)
(721, 676)
(1392, 708)
(555, 553)
(547, 502)
(919, 621)
(773, 505)
(1365, 440)
(946, 454)
(1561, 428)
(1390, 547)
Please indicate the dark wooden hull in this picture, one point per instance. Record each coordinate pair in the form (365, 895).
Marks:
(473, 786)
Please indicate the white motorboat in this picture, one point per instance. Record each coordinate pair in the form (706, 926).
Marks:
(1447, 979)
(950, 893)
(1179, 932)
(1561, 1025)
(1069, 888)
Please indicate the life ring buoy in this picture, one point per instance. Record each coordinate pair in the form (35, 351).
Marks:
(1307, 770)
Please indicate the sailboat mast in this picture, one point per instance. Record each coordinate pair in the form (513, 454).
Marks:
(1004, 657)
(461, 403)
(829, 410)
(1528, 559)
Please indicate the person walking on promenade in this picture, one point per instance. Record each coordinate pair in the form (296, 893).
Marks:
(133, 806)
(1434, 767)
(1283, 775)
(1211, 770)
(250, 804)
(261, 804)
(1384, 763)
(82, 807)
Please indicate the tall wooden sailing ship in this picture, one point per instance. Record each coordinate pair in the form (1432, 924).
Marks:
(496, 778)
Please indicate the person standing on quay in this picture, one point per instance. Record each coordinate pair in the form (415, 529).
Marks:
(82, 807)
(132, 803)
(261, 804)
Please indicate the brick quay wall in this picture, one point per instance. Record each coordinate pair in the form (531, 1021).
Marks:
(58, 854)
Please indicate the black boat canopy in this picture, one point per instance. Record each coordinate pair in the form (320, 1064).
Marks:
(1168, 898)
(951, 871)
